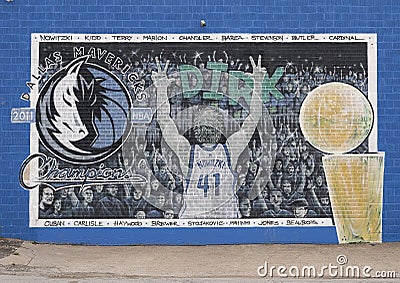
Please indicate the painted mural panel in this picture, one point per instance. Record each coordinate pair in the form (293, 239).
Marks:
(195, 130)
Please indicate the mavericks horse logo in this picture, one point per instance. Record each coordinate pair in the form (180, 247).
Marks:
(82, 113)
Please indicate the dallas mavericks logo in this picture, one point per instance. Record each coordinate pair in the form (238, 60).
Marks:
(82, 113)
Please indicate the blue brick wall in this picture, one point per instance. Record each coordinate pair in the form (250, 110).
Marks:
(18, 19)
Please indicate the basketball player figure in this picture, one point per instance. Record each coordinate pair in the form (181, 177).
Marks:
(210, 179)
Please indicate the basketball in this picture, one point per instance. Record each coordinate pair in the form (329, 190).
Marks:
(336, 118)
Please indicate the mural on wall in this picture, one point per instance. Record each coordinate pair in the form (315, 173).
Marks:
(193, 130)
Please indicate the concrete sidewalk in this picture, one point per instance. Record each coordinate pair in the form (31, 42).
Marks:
(220, 263)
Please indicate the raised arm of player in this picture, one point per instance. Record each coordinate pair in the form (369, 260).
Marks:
(175, 141)
(239, 140)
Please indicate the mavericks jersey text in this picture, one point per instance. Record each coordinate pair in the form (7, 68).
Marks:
(210, 185)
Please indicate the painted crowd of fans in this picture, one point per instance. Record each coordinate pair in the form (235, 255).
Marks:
(294, 185)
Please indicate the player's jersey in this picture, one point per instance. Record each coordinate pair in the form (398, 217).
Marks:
(210, 184)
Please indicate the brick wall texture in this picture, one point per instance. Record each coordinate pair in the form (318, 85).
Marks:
(20, 19)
